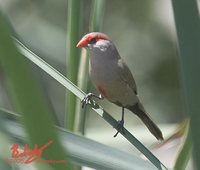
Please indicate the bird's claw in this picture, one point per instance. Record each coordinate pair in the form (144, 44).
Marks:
(120, 127)
(86, 99)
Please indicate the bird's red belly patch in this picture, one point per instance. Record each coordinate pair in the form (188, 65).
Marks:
(102, 90)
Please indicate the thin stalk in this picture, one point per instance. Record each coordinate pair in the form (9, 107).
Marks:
(83, 83)
(73, 29)
(97, 15)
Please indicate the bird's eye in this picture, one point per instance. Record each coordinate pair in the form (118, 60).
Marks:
(93, 40)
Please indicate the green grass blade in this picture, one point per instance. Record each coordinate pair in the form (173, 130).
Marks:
(80, 94)
(97, 15)
(83, 83)
(27, 97)
(73, 29)
(82, 151)
(187, 21)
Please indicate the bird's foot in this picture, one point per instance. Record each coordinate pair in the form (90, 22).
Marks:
(87, 99)
(120, 127)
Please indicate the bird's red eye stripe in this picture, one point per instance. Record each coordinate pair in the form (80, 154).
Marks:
(95, 39)
(90, 39)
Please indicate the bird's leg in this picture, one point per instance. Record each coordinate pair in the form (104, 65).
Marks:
(120, 125)
(88, 97)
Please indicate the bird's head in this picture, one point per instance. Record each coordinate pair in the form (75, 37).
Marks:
(99, 45)
(93, 39)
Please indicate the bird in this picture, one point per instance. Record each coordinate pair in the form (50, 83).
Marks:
(113, 80)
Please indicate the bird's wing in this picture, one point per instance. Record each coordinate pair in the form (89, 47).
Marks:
(126, 75)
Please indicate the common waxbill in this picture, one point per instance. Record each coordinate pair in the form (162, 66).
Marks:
(113, 79)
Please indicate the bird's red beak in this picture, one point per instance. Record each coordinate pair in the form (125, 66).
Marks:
(82, 43)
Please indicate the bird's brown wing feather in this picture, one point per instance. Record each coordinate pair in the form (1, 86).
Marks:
(126, 75)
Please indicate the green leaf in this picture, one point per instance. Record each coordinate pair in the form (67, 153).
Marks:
(27, 97)
(186, 14)
(81, 150)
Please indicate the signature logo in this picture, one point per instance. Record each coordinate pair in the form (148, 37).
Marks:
(28, 156)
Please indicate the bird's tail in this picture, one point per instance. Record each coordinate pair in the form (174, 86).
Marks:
(140, 112)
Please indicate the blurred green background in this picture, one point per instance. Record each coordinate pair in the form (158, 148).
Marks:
(144, 33)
